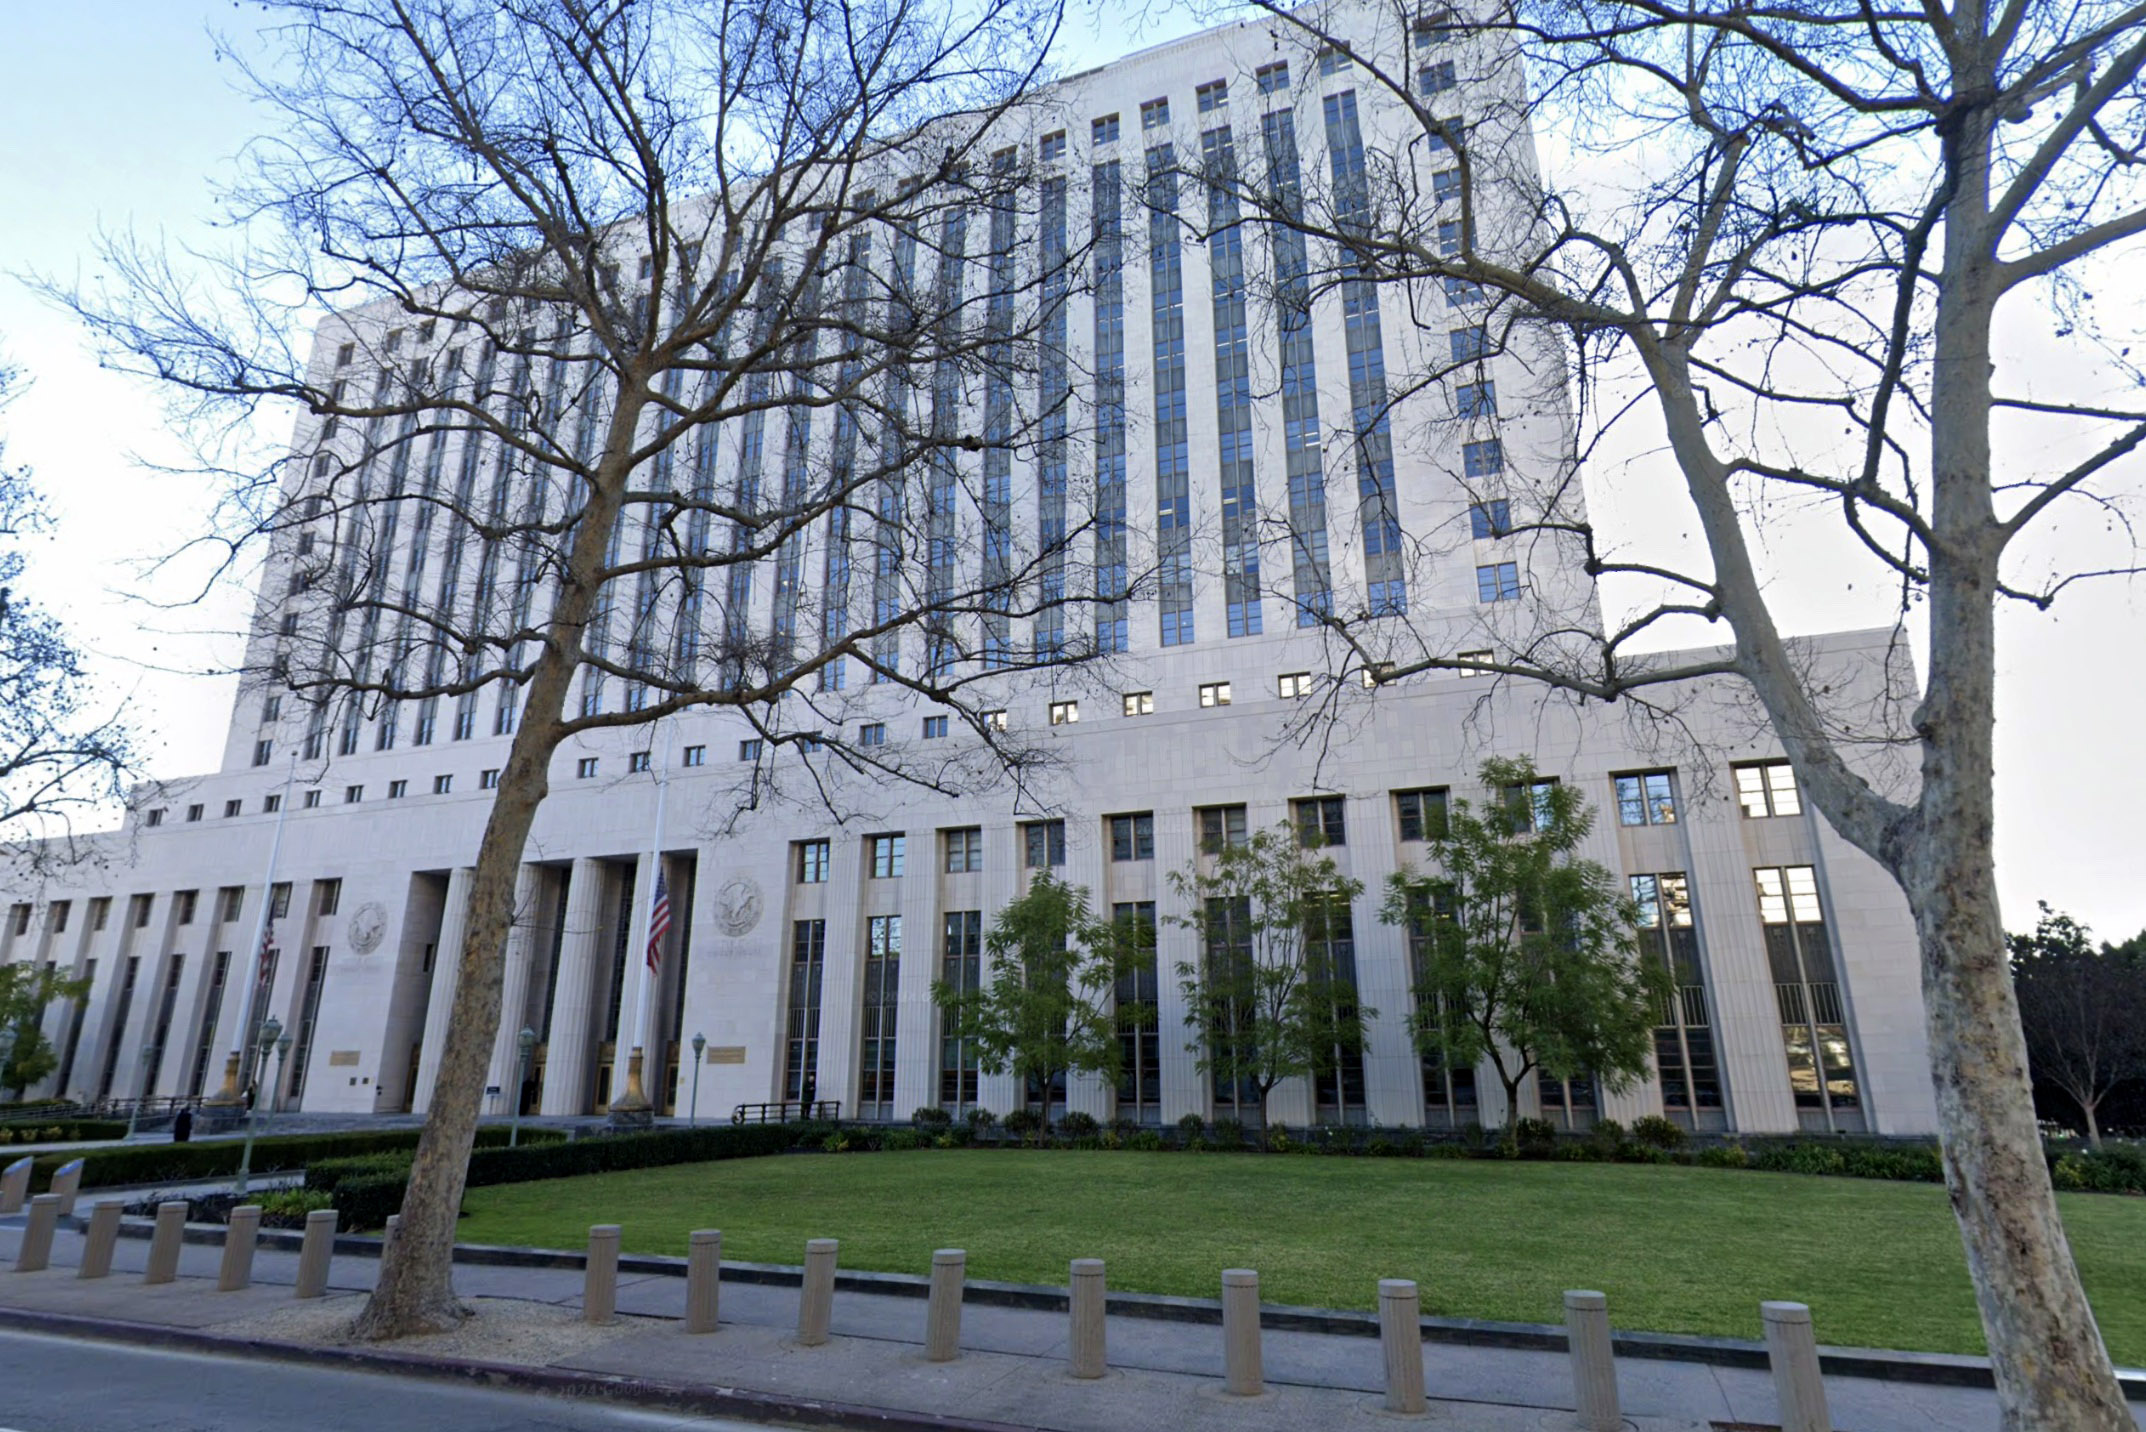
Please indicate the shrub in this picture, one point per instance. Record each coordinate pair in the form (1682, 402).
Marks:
(1729, 1155)
(930, 1116)
(1796, 1157)
(1446, 1150)
(1191, 1129)
(1381, 1147)
(1657, 1132)
(1023, 1121)
(1079, 1125)
(1534, 1138)
(900, 1141)
(288, 1207)
(1606, 1138)
(1144, 1141)
(1125, 1124)
(980, 1119)
(1227, 1133)
(946, 1141)
(190, 1163)
(1471, 1134)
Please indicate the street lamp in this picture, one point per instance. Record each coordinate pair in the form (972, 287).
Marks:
(527, 1040)
(700, 1042)
(271, 1028)
(283, 1057)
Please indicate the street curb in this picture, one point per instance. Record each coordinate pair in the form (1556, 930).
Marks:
(556, 1382)
(1934, 1369)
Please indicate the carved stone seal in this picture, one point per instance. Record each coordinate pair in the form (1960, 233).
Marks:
(737, 906)
(367, 924)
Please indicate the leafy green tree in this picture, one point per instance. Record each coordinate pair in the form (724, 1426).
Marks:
(1046, 1011)
(26, 990)
(2083, 1010)
(1523, 953)
(1272, 995)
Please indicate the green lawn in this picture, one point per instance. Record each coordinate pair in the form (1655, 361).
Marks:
(1676, 1249)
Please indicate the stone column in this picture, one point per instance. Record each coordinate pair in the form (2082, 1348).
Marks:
(942, 1316)
(1401, 1337)
(1792, 1349)
(524, 940)
(240, 1236)
(599, 1278)
(566, 1059)
(1087, 1306)
(1242, 1374)
(816, 1294)
(315, 1252)
(704, 1278)
(446, 974)
(1594, 1364)
(99, 1238)
(164, 1243)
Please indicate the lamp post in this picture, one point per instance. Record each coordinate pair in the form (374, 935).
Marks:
(283, 1057)
(527, 1040)
(700, 1042)
(271, 1028)
(134, 1110)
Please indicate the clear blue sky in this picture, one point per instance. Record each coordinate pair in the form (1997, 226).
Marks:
(118, 113)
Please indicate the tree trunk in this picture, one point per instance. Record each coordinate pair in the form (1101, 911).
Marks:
(2093, 1124)
(415, 1290)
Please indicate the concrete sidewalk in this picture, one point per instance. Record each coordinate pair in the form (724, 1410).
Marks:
(1012, 1372)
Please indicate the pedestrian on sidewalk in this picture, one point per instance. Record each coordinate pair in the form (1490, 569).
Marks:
(182, 1126)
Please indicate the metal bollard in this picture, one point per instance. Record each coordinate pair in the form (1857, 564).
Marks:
(164, 1243)
(99, 1238)
(816, 1297)
(599, 1278)
(315, 1252)
(15, 1185)
(1792, 1348)
(240, 1236)
(67, 1182)
(34, 1254)
(1242, 1374)
(1401, 1337)
(1086, 1302)
(704, 1278)
(942, 1314)
(1594, 1362)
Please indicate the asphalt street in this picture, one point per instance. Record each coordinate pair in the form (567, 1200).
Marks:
(50, 1384)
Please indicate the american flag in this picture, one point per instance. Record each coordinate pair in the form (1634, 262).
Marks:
(268, 947)
(659, 921)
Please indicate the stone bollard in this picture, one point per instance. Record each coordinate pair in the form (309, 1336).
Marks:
(1792, 1348)
(35, 1252)
(704, 1278)
(942, 1314)
(1086, 1301)
(599, 1278)
(240, 1235)
(1401, 1336)
(164, 1243)
(100, 1238)
(1594, 1362)
(816, 1297)
(67, 1182)
(15, 1185)
(314, 1253)
(1242, 1374)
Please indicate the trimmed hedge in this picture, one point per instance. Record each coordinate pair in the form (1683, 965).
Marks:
(183, 1163)
(59, 1130)
(367, 1190)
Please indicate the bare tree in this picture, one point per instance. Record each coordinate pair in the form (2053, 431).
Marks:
(59, 759)
(2083, 1010)
(697, 346)
(1788, 239)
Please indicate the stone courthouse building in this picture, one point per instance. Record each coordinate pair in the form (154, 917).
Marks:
(802, 949)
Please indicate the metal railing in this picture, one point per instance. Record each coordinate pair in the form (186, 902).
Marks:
(786, 1111)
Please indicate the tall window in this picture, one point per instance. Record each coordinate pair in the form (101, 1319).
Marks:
(1449, 1094)
(1421, 815)
(1338, 1078)
(1139, 1019)
(801, 1057)
(1528, 806)
(1684, 1040)
(1233, 381)
(882, 981)
(153, 1056)
(1768, 788)
(1228, 956)
(1043, 844)
(1108, 245)
(308, 1016)
(1498, 582)
(1569, 1103)
(1321, 820)
(811, 862)
(1645, 799)
(884, 853)
(1814, 1027)
(1132, 837)
(120, 1007)
(961, 969)
(1221, 826)
(1303, 442)
(1173, 492)
(212, 1004)
(964, 851)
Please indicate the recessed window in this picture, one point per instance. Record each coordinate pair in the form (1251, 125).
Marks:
(1529, 804)
(1332, 61)
(1272, 79)
(1043, 844)
(270, 804)
(636, 761)
(695, 756)
(749, 749)
(1476, 400)
(289, 625)
(1483, 459)
(1483, 657)
(1132, 837)
(1421, 814)
(353, 794)
(934, 728)
(233, 807)
(1470, 344)
(1461, 292)
(1321, 820)
(442, 785)
(1221, 827)
(810, 742)
(884, 854)
(1449, 232)
(1433, 27)
(964, 851)
(344, 354)
(330, 896)
(1064, 713)
(1214, 693)
(1437, 78)
(263, 752)
(100, 910)
(1376, 673)
(154, 817)
(1490, 519)
(488, 780)
(1644, 798)
(184, 903)
(993, 720)
(1498, 582)
(396, 790)
(141, 904)
(1445, 189)
(312, 800)
(1212, 96)
(1768, 788)
(1291, 685)
(194, 812)
(1139, 703)
(1154, 113)
(585, 768)
(1052, 146)
(872, 733)
(1104, 130)
(812, 856)
(230, 903)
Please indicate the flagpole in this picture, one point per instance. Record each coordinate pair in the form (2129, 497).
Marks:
(636, 1101)
(229, 1094)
